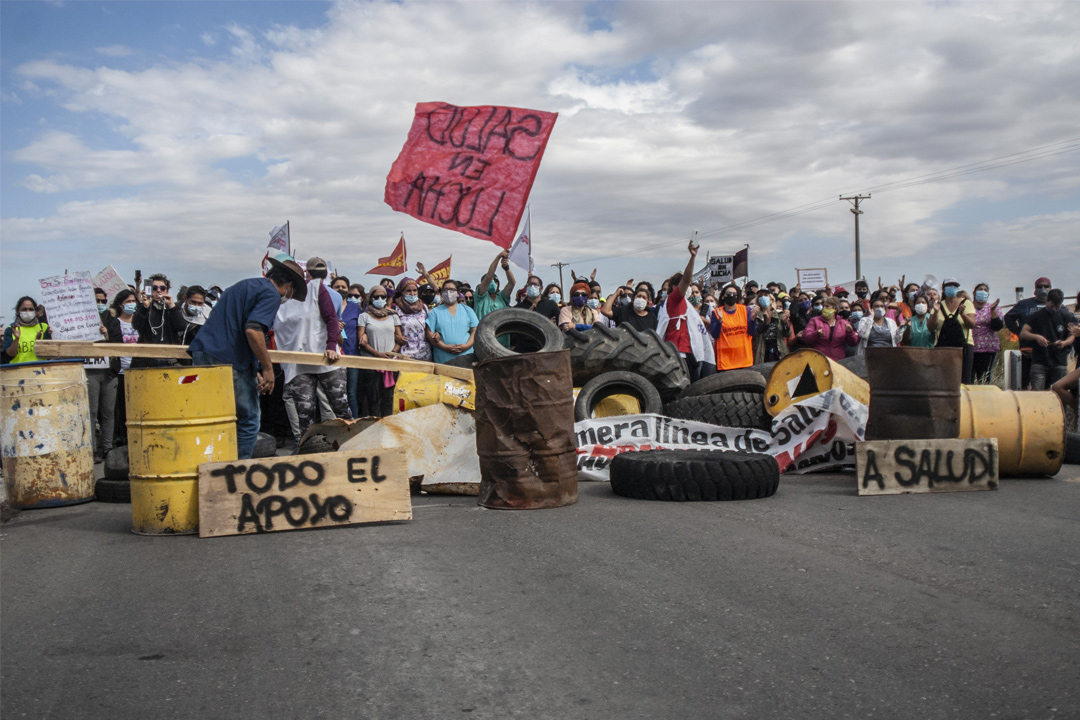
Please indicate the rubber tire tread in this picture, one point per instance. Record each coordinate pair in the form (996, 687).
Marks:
(316, 444)
(742, 380)
(1072, 449)
(603, 349)
(116, 465)
(507, 320)
(726, 409)
(694, 475)
(614, 383)
(265, 446)
(468, 360)
(112, 491)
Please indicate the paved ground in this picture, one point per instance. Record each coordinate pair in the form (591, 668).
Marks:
(813, 604)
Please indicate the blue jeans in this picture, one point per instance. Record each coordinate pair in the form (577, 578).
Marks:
(246, 392)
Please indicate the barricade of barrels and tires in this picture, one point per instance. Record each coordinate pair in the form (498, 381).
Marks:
(506, 424)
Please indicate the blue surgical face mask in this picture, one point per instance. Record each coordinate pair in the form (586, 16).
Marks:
(411, 298)
(379, 302)
(856, 316)
(354, 300)
(982, 296)
(764, 302)
(951, 290)
(555, 298)
(532, 291)
(102, 308)
(129, 308)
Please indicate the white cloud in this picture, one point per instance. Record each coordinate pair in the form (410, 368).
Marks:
(679, 116)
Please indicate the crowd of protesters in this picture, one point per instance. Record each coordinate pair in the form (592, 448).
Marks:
(716, 328)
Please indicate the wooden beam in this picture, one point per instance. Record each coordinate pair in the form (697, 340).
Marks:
(78, 349)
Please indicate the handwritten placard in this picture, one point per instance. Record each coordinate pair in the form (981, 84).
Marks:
(812, 278)
(892, 467)
(469, 169)
(305, 491)
(110, 281)
(69, 302)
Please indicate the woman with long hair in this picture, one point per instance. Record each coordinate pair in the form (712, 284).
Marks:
(21, 335)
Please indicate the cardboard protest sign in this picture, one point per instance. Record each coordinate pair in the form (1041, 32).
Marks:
(812, 278)
(469, 169)
(292, 493)
(69, 301)
(110, 281)
(892, 467)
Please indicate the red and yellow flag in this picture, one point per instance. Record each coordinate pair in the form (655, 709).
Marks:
(441, 272)
(394, 264)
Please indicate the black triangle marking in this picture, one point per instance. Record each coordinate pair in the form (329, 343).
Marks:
(807, 384)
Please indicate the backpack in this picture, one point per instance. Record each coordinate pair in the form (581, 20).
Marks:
(951, 333)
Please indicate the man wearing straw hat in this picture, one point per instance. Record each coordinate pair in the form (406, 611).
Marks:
(235, 334)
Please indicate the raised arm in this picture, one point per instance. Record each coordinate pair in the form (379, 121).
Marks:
(482, 287)
(688, 273)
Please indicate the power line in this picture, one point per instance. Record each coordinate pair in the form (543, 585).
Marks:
(1039, 152)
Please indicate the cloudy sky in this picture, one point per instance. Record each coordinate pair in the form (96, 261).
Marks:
(172, 136)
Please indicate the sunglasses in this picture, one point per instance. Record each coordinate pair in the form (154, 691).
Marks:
(159, 287)
(1042, 287)
(355, 296)
(579, 295)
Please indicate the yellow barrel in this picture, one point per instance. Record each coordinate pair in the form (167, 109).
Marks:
(415, 390)
(614, 405)
(176, 419)
(48, 455)
(805, 373)
(1029, 427)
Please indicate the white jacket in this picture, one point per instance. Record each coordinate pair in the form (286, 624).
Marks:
(700, 341)
(896, 332)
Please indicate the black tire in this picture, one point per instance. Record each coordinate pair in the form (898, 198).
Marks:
(112, 491)
(742, 380)
(1072, 448)
(592, 350)
(316, 444)
(764, 368)
(603, 349)
(265, 446)
(728, 409)
(116, 464)
(857, 365)
(463, 361)
(511, 321)
(618, 382)
(687, 475)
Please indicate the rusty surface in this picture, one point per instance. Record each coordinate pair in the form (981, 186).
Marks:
(914, 393)
(525, 431)
(48, 457)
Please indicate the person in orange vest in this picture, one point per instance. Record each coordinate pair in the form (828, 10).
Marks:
(732, 326)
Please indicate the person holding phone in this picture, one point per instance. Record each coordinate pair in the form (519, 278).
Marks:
(157, 319)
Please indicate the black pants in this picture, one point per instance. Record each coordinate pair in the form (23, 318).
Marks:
(376, 400)
(982, 367)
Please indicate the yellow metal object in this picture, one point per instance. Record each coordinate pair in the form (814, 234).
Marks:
(415, 390)
(177, 418)
(806, 373)
(1029, 427)
(48, 456)
(614, 405)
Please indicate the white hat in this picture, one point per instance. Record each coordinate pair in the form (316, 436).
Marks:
(949, 281)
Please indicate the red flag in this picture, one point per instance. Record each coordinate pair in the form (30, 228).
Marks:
(469, 169)
(441, 272)
(394, 264)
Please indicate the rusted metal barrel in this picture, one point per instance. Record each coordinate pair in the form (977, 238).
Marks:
(914, 392)
(1029, 427)
(176, 419)
(48, 456)
(525, 431)
(806, 373)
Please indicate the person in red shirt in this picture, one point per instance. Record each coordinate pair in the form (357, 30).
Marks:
(677, 331)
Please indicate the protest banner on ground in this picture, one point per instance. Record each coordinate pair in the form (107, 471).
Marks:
(292, 493)
(469, 169)
(110, 281)
(69, 302)
(815, 434)
(812, 278)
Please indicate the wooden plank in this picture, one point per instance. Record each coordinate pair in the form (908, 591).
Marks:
(69, 349)
(304, 491)
(892, 467)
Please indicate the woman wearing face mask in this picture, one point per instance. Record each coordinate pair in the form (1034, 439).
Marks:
(917, 331)
(413, 314)
(451, 326)
(536, 300)
(829, 333)
(195, 311)
(636, 313)
(878, 329)
(354, 306)
(732, 327)
(578, 314)
(595, 303)
(120, 327)
(953, 321)
(378, 331)
(987, 344)
(772, 330)
(21, 335)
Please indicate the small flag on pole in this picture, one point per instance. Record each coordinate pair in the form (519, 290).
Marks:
(393, 264)
(741, 263)
(279, 239)
(521, 250)
(441, 272)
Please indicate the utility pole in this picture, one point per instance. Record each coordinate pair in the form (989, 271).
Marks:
(857, 212)
(560, 265)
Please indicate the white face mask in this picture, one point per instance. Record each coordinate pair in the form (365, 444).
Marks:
(379, 302)
(920, 308)
(640, 304)
(449, 296)
(879, 313)
(27, 316)
(532, 291)
(555, 298)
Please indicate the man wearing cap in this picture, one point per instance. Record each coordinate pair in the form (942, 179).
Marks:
(1015, 319)
(235, 334)
(312, 326)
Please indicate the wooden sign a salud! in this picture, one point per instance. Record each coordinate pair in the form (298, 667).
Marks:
(305, 491)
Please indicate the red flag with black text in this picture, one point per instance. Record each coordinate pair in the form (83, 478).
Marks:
(393, 264)
(469, 169)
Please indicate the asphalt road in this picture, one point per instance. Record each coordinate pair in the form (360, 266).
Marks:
(812, 604)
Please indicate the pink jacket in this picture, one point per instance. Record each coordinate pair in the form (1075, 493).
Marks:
(832, 342)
